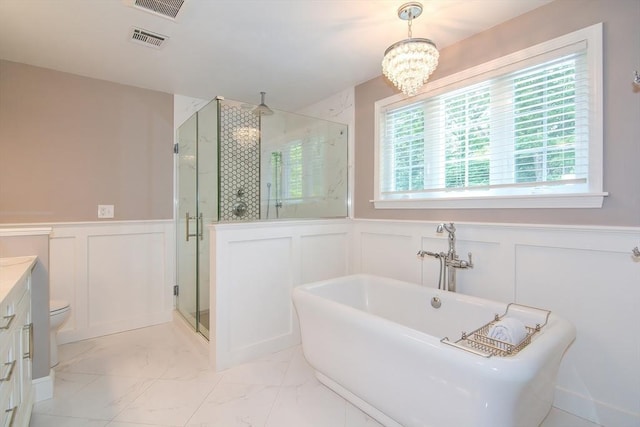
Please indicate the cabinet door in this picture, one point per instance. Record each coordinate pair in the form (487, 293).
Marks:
(26, 346)
(23, 394)
(9, 387)
(15, 370)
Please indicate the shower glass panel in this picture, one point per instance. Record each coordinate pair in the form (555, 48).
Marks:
(236, 165)
(304, 169)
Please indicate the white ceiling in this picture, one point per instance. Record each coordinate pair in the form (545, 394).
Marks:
(298, 51)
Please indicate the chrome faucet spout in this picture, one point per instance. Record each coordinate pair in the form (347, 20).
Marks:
(451, 229)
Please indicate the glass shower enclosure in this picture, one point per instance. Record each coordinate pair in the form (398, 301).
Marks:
(236, 164)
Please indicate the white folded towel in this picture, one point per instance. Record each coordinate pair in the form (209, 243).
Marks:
(508, 329)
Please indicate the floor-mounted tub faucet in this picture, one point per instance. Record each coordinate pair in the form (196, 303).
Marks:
(450, 261)
(451, 229)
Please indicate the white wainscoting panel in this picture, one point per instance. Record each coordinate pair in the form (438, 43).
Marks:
(584, 274)
(262, 281)
(599, 291)
(323, 256)
(119, 276)
(119, 288)
(387, 249)
(116, 275)
(254, 268)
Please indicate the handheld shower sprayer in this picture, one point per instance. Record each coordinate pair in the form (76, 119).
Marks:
(268, 197)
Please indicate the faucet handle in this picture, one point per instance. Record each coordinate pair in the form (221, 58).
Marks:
(466, 264)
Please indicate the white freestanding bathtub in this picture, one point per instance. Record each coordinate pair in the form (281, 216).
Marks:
(377, 342)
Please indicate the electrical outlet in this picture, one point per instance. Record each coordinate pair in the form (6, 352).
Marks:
(105, 211)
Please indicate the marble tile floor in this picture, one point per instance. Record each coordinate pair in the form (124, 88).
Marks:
(159, 376)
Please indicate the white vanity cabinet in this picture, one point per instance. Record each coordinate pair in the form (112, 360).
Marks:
(16, 341)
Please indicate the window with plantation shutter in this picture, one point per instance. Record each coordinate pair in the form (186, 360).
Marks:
(405, 127)
(521, 131)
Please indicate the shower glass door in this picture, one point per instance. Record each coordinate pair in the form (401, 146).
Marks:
(197, 207)
(186, 247)
(207, 205)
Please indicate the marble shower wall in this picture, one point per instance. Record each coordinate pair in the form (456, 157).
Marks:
(304, 171)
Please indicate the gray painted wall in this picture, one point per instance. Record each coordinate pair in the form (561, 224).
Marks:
(69, 143)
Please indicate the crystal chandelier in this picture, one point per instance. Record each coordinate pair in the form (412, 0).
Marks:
(409, 62)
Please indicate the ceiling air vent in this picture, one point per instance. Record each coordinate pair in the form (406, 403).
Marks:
(166, 8)
(147, 38)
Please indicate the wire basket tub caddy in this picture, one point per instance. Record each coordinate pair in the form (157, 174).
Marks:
(480, 343)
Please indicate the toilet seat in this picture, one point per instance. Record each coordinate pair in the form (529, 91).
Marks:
(58, 306)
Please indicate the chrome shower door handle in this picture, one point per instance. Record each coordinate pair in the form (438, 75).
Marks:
(188, 218)
(199, 226)
(186, 223)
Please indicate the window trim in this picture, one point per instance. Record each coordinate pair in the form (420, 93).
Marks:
(592, 198)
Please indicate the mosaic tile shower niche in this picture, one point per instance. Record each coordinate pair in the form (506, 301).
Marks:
(239, 164)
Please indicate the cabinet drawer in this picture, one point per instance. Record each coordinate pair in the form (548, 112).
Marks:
(8, 366)
(8, 389)
(8, 416)
(9, 305)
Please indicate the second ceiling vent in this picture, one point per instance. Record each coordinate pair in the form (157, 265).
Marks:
(147, 38)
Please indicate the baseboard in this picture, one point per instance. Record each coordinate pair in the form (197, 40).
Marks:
(593, 410)
(43, 387)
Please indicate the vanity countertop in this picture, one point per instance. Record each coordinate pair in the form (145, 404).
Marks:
(12, 270)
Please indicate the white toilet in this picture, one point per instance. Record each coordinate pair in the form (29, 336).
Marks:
(58, 314)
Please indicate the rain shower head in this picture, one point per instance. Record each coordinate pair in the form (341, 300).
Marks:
(262, 109)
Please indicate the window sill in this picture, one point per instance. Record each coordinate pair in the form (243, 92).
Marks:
(534, 201)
